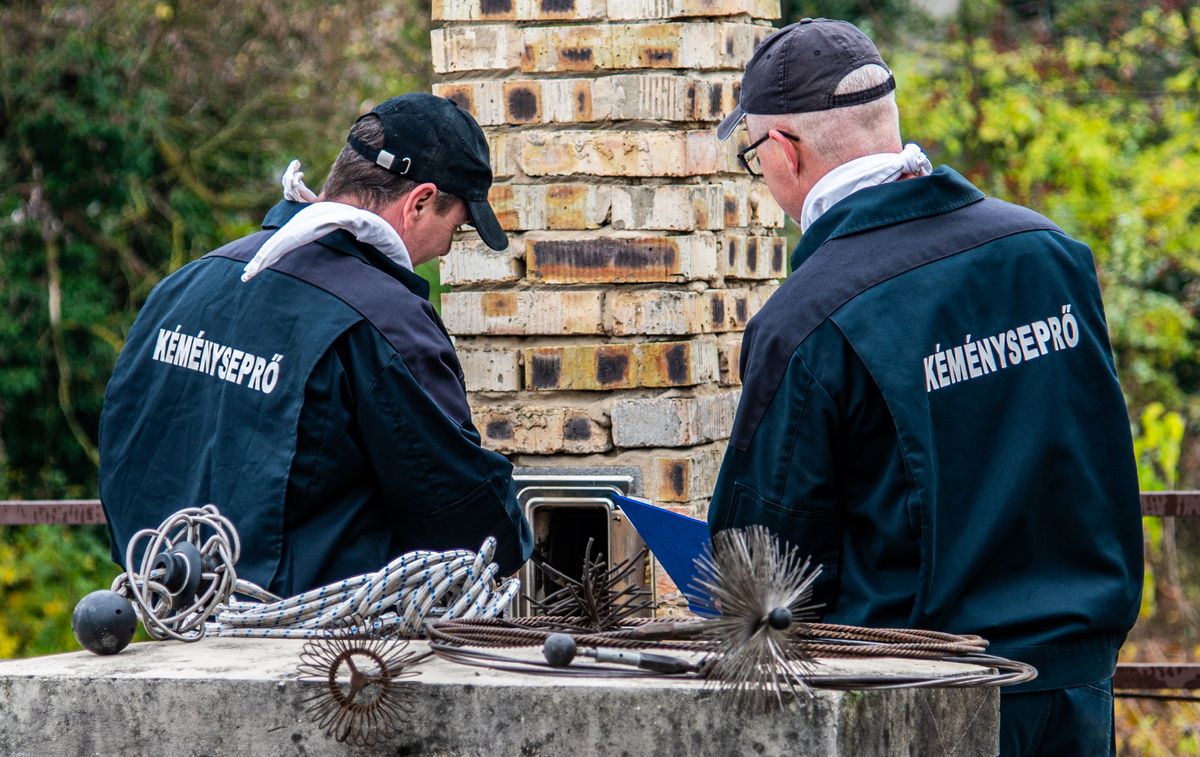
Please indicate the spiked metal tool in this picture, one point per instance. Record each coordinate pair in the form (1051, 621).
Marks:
(764, 592)
(593, 602)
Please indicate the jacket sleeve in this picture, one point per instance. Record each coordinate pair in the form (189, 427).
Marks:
(785, 478)
(447, 491)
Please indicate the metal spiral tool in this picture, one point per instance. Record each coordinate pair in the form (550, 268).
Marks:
(355, 677)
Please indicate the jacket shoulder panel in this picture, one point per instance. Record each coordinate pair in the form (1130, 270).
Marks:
(408, 323)
(845, 267)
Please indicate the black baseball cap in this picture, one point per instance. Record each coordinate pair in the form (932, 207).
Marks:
(798, 68)
(429, 138)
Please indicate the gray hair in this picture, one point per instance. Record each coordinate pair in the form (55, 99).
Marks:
(843, 134)
(369, 184)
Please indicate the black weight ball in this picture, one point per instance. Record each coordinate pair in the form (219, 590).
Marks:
(559, 650)
(779, 618)
(104, 622)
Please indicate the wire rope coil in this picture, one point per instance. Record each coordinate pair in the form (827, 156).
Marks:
(186, 571)
(470, 641)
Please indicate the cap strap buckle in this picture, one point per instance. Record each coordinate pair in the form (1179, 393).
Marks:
(386, 159)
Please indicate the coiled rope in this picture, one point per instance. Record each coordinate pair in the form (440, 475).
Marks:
(396, 600)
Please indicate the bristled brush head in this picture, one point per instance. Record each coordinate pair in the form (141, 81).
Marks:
(763, 589)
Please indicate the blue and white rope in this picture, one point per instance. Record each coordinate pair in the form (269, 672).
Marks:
(397, 599)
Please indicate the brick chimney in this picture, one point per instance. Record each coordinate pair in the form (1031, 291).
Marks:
(608, 334)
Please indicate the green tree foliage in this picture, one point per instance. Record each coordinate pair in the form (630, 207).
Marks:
(136, 136)
(1100, 135)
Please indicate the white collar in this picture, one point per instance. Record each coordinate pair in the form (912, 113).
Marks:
(321, 218)
(860, 173)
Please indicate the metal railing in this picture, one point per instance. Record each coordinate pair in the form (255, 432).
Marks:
(67, 512)
(1130, 675)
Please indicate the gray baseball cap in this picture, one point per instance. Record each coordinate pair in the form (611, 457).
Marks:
(798, 68)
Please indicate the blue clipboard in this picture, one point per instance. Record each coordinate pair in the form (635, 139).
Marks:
(676, 540)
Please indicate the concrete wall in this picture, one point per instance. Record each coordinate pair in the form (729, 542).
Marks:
(241, 698)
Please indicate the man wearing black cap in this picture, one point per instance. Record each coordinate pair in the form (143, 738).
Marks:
(300, 380)
(930, 406)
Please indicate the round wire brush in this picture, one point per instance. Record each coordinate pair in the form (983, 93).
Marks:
(355, 672)
(762, 588)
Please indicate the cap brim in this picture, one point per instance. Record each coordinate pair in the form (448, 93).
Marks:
(483, 218)
(730, 123)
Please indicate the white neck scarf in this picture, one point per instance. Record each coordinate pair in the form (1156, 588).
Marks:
(319, 219)
(860, 173)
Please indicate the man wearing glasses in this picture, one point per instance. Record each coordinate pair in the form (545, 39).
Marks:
(930, 406)
(300, 380)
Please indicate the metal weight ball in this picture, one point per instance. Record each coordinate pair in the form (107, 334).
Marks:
(104, 622)
(559, 650)
(780, 618)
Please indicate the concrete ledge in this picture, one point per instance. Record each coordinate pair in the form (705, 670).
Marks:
(240, 697)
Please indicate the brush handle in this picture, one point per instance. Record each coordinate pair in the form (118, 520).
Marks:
(658, 663)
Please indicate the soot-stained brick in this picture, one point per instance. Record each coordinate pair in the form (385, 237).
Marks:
(499, 429)
(495, 7)
(558, 6)
(545, 371)
(752, 254)
(740, 309)
(777, 256)
(601, 259)
(577, 430)
(677, 477)
(577, 54)
(718, 310)
(676, 358)
(522, 104)
(714, 99)
(732, 248)
(652, 55)
(611, 366)
(462, 98)
(731, 209)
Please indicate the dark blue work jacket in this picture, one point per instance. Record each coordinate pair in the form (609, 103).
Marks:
(931, 410)
(320, 406)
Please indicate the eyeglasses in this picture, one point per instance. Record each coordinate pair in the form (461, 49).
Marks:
(748, 156)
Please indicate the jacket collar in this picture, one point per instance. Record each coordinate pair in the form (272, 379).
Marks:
(887, 204)
(344, 242)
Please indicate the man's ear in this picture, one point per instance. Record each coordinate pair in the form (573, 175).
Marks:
(417, 203)
(792, 150)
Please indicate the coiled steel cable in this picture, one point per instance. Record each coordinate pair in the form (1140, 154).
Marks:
(217, 541)
(453, 640)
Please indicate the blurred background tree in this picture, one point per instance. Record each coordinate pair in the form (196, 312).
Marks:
(138, 135)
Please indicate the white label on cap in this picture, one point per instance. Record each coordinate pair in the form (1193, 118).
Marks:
(385, 159)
